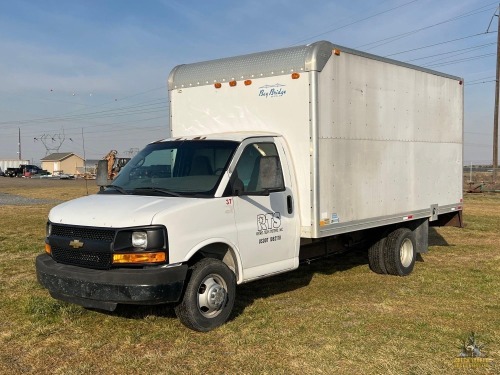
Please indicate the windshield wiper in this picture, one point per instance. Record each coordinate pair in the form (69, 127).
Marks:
(117, 188)
(157, 190)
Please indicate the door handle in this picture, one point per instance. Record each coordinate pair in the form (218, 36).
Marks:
(289, 204)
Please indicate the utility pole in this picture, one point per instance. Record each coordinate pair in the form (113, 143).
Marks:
(19, 144)
(495, 119)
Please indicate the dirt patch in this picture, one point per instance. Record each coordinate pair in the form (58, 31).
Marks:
(18, 200)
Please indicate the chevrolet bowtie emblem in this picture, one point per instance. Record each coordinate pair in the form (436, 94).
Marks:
(76, 244)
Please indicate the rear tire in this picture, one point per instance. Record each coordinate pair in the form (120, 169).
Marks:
(209, 296)
(400, 252)
(376, 258)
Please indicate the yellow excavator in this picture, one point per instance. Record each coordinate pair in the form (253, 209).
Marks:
(114, 163)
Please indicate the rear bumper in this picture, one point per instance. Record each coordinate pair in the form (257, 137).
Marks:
(104, 289)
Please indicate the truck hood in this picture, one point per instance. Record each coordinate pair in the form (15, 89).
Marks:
(117, 211)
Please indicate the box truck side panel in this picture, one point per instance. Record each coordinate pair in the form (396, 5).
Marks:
(390, 143)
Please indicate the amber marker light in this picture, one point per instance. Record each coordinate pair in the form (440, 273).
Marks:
(248, 82)
(232, 83)
(48, 249)
(295, 75)
(217, 85)
(139, 258)
(336, 52)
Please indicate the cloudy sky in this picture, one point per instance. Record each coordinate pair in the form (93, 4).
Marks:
(90, 76)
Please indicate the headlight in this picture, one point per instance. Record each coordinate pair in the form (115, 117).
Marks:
(48, 229)
(140, 240)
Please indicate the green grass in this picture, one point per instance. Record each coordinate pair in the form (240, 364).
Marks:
(332, 316)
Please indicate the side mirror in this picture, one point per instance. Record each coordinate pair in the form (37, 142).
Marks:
(102, 173)
(270, 174)
(237, 185)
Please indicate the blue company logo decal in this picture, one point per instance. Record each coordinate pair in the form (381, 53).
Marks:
(272, 91)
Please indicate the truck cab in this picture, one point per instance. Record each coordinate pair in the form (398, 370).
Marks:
(225, 199)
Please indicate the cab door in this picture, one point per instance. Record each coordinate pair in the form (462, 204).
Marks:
(266, 219)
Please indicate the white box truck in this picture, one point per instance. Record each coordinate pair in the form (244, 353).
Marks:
(270, 154)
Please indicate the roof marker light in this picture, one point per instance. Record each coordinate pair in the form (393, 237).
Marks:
(248, 82)
(232, 83)
(217, 85)
(336, 52)
(295, 75)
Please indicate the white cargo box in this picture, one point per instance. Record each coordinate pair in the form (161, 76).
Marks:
(373, 141)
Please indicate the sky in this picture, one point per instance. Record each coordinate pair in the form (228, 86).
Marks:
(91, 76)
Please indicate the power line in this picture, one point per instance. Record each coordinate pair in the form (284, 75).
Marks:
(354, 22)
(75, 113)
(459, 60)
(156, 104)
(391, 39)
(446, 58)
(102, 125)
(438, 44)
(480, 79)
(454, 51)
(479, 83)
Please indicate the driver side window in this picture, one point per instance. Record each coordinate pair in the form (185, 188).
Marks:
(247, 177)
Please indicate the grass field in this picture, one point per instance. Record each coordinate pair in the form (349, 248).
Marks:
(332, 316)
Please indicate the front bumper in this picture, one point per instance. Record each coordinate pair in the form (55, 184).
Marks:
(104, 289)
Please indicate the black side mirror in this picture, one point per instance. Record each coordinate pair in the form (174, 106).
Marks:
(237, 185)
(102, 173)
(270, 174)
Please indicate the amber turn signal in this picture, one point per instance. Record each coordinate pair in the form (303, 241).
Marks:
(139, 258)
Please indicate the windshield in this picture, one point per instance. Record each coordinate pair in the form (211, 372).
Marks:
(175, 168)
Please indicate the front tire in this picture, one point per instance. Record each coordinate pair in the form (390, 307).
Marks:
(209, 296)
(400, 252)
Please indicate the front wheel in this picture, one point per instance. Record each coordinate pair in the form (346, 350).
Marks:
(209, 296)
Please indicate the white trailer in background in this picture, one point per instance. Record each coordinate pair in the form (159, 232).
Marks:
(270, 153)
(11, 163)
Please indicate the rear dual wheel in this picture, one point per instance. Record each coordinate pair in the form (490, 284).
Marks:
(376, 258)
(394, 254)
